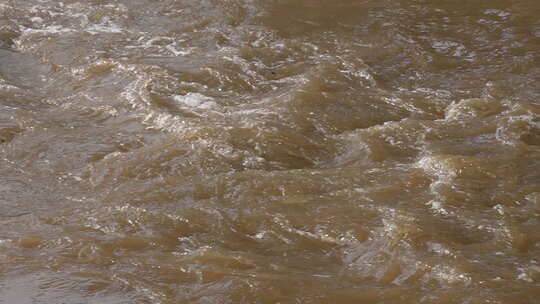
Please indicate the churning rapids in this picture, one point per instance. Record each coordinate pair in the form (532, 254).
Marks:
(269, 151)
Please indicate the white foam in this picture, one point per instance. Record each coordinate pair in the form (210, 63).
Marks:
(437, 206)
(497, 12)
(450, 275)
(50, 29)
(177, 52)
(107, 27)
(164, 121)
(437, 166)
(195, 100)
(36, 20)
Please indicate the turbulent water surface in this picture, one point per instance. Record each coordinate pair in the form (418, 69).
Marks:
(269, 151)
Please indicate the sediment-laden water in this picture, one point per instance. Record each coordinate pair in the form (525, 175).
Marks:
(270, 151)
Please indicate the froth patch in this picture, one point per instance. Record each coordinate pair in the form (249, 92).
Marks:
(195, 100)
(473, 108)
(438, 166)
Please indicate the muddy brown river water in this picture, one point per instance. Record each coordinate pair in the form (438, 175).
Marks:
(270, 151)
